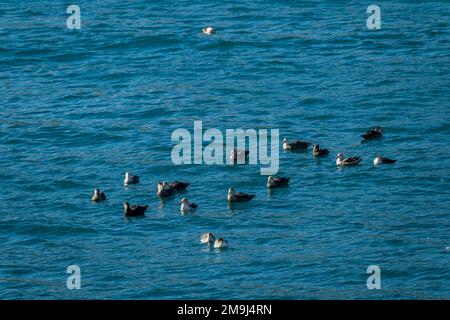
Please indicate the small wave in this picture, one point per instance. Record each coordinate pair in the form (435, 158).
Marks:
(145, 41)
(313, 101)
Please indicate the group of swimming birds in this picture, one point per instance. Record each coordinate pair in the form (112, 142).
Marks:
(166, 189)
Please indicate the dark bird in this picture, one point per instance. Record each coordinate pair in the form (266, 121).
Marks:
(238, 197)
(98, 195)
(165, 190)
(341, 161)
(382, 160)
(276, 182)
(373, 134)
(179, 186)
(317, 152)
(133, 211)
(295, 145)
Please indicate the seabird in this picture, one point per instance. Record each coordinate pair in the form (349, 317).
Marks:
(238, 197)
(207, 238)
(133, 211)
(98, 195)
(340, 161)
(179, 186)
(382, 160)
(209, 30)
(220, 243)
(277, 182)
(373, 134)
(239, 156)
(187, 206)
(130, 179)
(295, 145)
(164, 190)
(317, 152)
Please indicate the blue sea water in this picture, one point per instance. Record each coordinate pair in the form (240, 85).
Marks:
(78, 108)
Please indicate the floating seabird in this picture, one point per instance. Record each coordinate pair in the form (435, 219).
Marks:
(239, 156)
(165, 190)
(209, 30)
(373, 134)
(277, 182)
(133, 211)
(340, 161)
(295, 145)
(220, 243)
(187, 206)
(317, 152)
(239, 197)
(179, 186)
(98, 195)
(382, 160)
(130, 179)
(207, 238)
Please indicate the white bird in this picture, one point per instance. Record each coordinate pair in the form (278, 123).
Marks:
(187, 206)
(209, 30)
(340, 161)
(130, 178)
(207, 238)
(220, 243)
(382, 160)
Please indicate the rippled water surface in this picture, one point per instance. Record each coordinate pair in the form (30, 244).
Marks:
(79, 108)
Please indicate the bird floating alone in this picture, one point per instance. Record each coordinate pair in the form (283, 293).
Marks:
(130, 178)
(238, 197)
(277, 182)
(133, 211)
(187, 206)
(382, 160)
(317, 152)
(209, 30)
(373, 134)
(98, 195)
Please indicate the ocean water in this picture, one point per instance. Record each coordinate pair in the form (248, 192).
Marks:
(78, 108)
